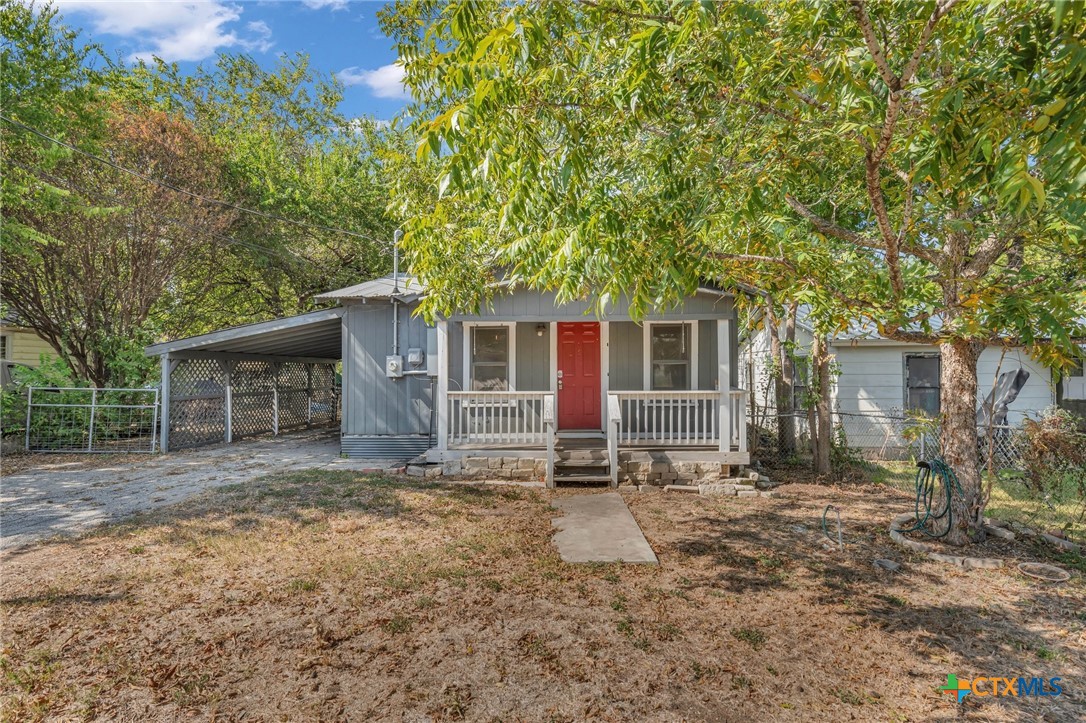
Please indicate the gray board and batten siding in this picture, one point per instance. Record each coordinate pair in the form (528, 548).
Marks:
(377, 409)
(385, 417)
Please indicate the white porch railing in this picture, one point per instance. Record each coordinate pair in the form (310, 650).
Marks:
(502, 418)
(668, 418)
(678, 419)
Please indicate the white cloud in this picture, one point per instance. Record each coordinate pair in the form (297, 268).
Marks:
(384, 82)
(172, 29)
(330, 4)
(261, 40)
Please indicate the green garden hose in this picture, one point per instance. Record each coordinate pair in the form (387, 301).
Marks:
(930, 476)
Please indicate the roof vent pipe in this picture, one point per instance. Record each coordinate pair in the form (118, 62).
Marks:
(396, 261)
(395, 292)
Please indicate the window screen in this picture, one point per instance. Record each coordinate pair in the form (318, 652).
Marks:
(490, 359)
(670, 356)
(922, 384)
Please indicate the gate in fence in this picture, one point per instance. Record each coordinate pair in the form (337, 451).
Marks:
(75, 419)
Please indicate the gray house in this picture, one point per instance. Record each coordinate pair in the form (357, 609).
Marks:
(527, 387)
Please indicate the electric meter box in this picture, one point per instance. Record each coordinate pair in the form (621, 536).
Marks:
(394, 366)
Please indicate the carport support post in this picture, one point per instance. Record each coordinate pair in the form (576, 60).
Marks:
(164, 401)
(228, 394)
(275, 398)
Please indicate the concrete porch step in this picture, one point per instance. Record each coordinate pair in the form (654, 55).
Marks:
(580, 454)
(581, 462)
(582, 479)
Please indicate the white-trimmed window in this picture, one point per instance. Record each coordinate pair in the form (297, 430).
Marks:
(922, 383)
(672, 352)
(489, 357)
(5, 346)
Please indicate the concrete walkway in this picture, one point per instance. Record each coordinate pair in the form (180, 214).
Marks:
(71, 497)
(599, 528)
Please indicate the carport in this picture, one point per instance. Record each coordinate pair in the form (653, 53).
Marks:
(262, 378)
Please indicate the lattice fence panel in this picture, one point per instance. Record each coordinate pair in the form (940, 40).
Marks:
(252, 398)
(197, 403)
(293, 395)
(324, 405)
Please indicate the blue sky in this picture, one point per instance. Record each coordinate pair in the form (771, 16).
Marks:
(341, 37)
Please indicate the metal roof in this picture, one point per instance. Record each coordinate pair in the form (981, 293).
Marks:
(316, 335)
(410, 288)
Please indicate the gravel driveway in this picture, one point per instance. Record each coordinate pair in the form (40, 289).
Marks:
(68, 497)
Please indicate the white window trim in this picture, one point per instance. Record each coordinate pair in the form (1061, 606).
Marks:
(468, 330)
(646, 378)
(905, 376)
(8, 338)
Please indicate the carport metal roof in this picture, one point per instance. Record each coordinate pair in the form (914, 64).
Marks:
(315, 336)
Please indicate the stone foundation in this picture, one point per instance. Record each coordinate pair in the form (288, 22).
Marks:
(643, 468)
(634, 468)
(512, 468)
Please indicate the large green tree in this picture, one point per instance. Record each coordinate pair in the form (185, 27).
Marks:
(916, 165)
(290, 154)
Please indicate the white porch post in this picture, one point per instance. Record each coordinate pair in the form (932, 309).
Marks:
(442, 400)
(724, 376)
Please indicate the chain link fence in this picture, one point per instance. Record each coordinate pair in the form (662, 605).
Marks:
(75, 419)
(784, 438)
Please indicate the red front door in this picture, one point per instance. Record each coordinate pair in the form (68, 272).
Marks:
(579, 376)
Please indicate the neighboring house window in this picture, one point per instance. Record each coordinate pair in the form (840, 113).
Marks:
(490, 358)
(5, 347)
(800, 370)
(1076, 369)
(671, 348)
(922, 383)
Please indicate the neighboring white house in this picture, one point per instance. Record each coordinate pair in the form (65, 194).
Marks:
(879, 380)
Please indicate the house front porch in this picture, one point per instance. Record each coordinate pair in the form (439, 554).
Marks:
(608, 401)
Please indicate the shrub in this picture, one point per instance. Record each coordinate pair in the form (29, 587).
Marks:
(1054, 453)
(51, 372)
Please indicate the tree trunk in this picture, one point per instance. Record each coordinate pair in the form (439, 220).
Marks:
(787, 410)
(820, 374)
(818, 411)
(958, 401)
(781, 342)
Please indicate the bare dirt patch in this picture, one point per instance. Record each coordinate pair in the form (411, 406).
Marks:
(334, 595)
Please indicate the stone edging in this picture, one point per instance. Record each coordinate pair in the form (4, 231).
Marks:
(969, 563)
(1004, 530)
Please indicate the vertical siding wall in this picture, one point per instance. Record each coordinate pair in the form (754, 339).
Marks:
(373, 404)
(626, 357)
(526, 305)
(533, 358)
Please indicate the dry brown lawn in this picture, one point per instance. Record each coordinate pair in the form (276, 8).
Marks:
(337, 596)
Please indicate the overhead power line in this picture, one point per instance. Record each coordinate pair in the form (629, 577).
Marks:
(176, 189)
